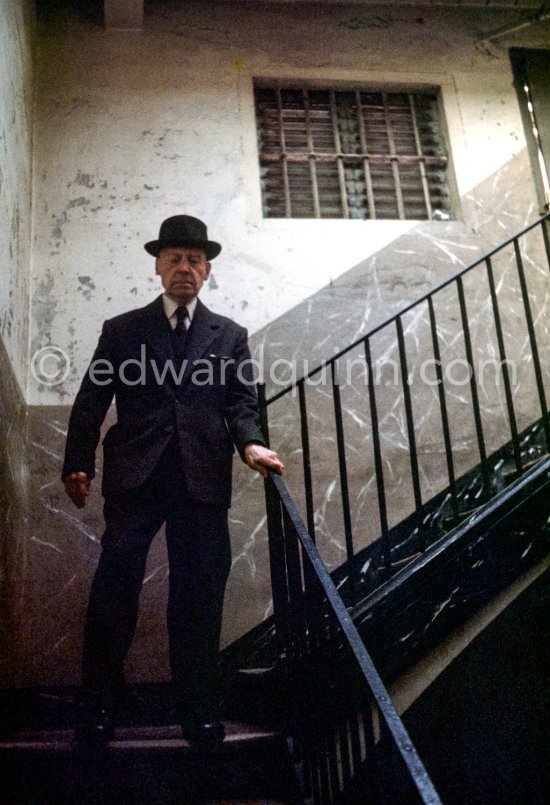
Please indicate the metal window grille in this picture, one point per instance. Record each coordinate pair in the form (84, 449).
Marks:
(328, 153)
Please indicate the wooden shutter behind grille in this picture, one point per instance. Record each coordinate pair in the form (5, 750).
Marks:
(350, 154)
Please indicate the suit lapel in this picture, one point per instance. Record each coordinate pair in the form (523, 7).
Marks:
(200, 337)
(156, 332)
(156, 335)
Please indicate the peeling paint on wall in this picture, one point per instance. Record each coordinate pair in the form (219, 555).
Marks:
(86, 287)
(45, 305)
(84, 179)
(78, 202)
(57, 230)
(16, 81)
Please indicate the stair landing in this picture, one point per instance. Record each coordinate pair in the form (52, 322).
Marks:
(146, 765)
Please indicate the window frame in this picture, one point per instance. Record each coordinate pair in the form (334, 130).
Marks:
(384, 88)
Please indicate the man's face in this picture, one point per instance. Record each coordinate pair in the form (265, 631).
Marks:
(182, 271)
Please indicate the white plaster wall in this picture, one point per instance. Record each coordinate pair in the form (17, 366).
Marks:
(134, 127)
(16, 97)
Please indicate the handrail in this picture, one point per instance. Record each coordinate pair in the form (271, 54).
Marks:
(275, 486)
(418, 301)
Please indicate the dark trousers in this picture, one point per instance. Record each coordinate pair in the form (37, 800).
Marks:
(199, 561)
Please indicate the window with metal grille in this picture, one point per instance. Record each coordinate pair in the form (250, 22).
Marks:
(332, 153)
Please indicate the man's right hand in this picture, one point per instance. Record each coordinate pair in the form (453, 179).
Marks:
(77, 486)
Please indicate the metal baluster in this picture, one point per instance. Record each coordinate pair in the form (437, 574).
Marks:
(311, 774)
(312, 607)
(282, 607)
(533, 342)
(315, 777)
(355, 744)
(306, 460)
(415, 475)
(330, 631)
(370, 746)
(333, 764)
(378, 467)
(324, 777)
(504, 367)
(314, 611)
(443, 407)
(344, 483)
(473, 383)
(347, 774)
(322, 635)
(276, 543)
(305, 731)
(330, 676)
(296, 592)
(262, 408)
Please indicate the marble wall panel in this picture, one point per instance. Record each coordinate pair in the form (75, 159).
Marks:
(13, 508)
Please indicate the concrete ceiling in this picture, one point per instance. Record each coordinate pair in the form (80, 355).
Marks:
(128, 14)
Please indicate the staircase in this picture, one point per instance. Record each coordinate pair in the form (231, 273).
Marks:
(309, 717)
(446, 530)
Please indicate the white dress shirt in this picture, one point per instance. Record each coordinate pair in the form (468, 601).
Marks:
(170, 307)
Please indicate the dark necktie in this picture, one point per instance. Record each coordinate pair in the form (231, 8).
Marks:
(179, 335)
(181, 316)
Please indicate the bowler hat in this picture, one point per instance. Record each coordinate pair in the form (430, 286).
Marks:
(183, 230)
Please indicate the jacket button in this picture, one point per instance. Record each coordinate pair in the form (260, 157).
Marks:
(168, 428)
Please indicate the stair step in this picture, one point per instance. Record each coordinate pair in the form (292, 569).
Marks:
(148, 738)
(399, 564)
(512, 474)
(452, 520)
(147, 765)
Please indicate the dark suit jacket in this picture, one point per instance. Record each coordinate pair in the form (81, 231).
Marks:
(211, 410)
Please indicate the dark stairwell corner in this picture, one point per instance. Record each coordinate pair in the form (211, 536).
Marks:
(482, 726)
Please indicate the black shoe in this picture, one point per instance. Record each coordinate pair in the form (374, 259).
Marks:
(94, 729)
(206, 734)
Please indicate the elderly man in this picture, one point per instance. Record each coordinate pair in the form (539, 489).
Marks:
(182, 380)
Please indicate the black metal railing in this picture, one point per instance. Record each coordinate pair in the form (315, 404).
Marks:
(489, 311)
(348, 739)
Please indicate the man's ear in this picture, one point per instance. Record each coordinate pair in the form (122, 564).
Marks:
(156, 265)
(208, 269)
